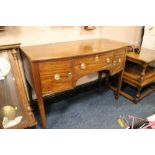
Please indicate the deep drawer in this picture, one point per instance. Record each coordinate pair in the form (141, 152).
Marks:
(56, 76)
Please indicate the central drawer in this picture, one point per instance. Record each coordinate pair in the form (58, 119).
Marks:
(88, 64)
(56, 76)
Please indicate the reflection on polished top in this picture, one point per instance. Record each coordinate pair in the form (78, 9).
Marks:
(145, 55)
(70, 49)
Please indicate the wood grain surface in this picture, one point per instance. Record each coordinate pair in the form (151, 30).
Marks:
(71, 49)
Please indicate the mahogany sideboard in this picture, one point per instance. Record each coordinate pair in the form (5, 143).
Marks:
(52, 68)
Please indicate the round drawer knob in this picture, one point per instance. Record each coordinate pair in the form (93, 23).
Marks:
(97, 58)
(57, 77)
(108, 60)
(83, 66)
(119, 60)
(69, 75)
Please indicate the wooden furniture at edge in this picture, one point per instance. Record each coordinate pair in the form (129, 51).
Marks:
(2, 28)
(29, 120)
(52, 68)
(139, 73)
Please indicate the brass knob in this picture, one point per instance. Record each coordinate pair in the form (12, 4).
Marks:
(97, 58)
(119, 60)
(83, 66)
(57, 77)
(108, 60)
(69, 75)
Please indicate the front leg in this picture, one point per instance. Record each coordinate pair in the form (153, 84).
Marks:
(41, 110)
(38, 91)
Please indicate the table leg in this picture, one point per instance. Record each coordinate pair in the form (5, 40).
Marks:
(38, 91)
(41, 109)
(138, 95)
(141, 79)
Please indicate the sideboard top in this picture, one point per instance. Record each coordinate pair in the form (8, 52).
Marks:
(70, 49)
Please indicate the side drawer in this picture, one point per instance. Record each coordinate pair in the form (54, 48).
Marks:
(88, 64)
(56, 76)
(118, 61)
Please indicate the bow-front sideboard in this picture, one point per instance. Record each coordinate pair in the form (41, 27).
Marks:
(56, 67)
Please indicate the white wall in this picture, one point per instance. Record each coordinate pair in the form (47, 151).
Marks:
(31, 35)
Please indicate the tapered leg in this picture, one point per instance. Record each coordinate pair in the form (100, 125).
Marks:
(41, 110)
(38, 91)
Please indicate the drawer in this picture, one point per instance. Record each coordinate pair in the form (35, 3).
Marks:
(56, 76)
(118, 61)
(120, 52)
(88, 64)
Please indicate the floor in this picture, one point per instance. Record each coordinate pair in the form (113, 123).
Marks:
(94, 109)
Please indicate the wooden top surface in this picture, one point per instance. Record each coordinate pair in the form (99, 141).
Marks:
(145, 55)
(70, 49)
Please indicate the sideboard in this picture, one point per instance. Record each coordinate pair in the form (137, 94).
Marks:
(52, 68)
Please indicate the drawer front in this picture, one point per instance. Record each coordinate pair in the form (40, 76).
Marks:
(118, 61)
(56, 76)
(88, 64)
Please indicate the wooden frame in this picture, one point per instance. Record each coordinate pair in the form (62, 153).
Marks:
(29, 120)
